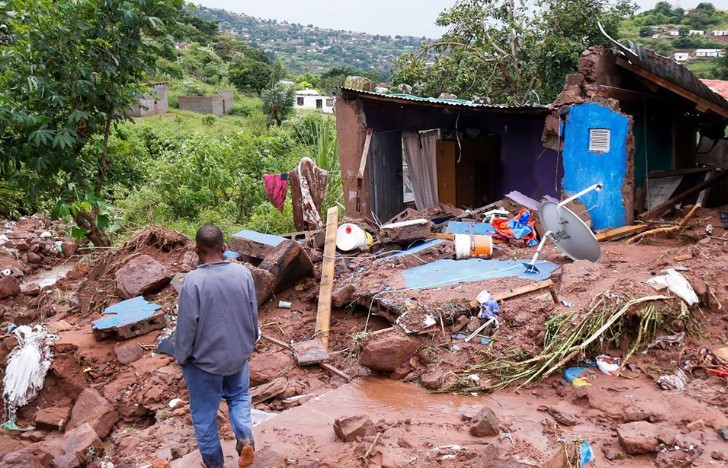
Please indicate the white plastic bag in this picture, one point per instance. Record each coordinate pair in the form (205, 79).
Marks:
(676, 283)
(27, 366)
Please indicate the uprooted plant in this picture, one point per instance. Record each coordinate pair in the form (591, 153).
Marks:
(605, 322)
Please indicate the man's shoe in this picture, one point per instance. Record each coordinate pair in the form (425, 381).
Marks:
(247, 456)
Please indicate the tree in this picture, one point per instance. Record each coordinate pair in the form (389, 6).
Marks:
(702, 16)
(278, 102)
(203, 63)
(71, 71)
(501, 49)
(251, 75)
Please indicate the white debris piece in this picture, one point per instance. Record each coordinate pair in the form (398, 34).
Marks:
(676, 283)
(27, 365)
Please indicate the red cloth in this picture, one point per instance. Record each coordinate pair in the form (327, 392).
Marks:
(276, 186)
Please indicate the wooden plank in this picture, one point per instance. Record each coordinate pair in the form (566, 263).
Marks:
(662, 208)
(515, 292)
(700, 102)
(323, 315)
(609, 234)
(365, 154)
(336, 371)
(679, 172)
(276, 341)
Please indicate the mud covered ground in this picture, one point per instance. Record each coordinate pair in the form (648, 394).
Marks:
(422, 411)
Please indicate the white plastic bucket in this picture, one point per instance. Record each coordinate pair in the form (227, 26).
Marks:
(467, 246)
(350, 236)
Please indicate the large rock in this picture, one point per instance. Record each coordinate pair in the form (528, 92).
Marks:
(82, 443)
(485, 423)
(9, 286)
(94, 409)
(54, 418)
(638, 437)
(141, 275)
(266, 367)
(359, 83)
(348, 429)
(437, 378)
(388, 353)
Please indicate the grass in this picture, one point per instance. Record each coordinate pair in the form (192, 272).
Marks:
(702, 68)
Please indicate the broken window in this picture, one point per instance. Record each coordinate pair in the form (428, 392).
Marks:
(299, 101)
(599, 140)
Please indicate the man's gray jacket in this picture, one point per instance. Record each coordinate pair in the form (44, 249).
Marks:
(217, 320)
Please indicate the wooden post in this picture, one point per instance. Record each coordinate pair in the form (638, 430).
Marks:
(323, 316)
(362, 167)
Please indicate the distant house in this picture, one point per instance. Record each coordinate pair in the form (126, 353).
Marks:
(680, 56)
(709, 53)
(720, 33)
(675, 33)
(312, 99)
(152, 103)
(696, 32)
(219, 104)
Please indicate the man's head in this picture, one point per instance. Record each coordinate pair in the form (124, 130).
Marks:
(210, 245)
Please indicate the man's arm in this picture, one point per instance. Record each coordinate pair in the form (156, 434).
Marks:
(188, 315)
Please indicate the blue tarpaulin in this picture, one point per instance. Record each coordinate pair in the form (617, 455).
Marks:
(446, 272)
(461, 227)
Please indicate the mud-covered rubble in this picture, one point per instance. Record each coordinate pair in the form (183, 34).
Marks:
(114, 395)
(28, 247)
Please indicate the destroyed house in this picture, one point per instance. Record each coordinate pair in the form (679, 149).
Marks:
(630, 120)
(402, 150)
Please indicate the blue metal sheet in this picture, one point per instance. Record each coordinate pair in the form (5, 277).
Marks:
(418, 248)
(461, 227)
(268, 239)
(447, 272)
(125, 313)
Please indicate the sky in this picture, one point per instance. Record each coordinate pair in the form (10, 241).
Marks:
(389, 17)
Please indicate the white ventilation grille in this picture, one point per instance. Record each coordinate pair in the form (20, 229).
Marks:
(599, 140)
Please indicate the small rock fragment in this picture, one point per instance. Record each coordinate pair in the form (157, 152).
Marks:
(348, 429)
(485, 423)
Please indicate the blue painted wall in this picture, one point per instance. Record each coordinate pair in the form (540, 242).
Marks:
(583, 168)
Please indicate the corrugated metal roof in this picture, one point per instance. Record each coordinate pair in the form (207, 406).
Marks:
(668, 70)
(454, 103)
(718, 86)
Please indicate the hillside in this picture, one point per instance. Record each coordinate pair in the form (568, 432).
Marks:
(310, 49)
(670, 31)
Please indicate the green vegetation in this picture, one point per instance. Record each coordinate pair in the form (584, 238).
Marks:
(69, 71)
(517, 57)
(69, 148)
(652, 29)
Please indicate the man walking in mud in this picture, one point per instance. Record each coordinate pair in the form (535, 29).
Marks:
(217, 327)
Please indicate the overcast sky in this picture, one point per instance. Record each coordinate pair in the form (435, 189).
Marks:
(403, 17)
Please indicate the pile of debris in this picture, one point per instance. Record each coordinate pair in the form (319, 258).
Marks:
(405, 300)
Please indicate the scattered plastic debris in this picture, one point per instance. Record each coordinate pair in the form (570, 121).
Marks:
(676, 381)
(677, 284)
(676, 339)
(607, 364)
(585, 454)
(567, 303)
(489, 307)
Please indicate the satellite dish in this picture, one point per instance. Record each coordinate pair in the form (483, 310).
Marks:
(570, 234)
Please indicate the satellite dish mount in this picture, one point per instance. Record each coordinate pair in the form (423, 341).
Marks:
(567, 231)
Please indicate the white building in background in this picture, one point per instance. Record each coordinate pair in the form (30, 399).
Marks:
(720, 33)
(696, 32)
(674, 33)
(709, 53)
(312, 99)
(681, 56)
